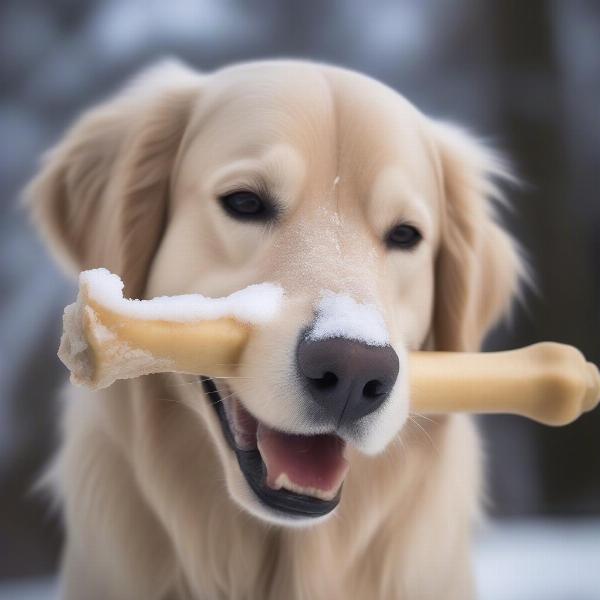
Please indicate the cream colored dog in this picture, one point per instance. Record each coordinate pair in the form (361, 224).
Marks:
(334, 186)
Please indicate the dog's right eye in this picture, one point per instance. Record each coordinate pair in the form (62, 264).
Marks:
(247, 206)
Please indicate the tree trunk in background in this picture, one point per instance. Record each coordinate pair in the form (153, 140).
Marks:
(528, 88)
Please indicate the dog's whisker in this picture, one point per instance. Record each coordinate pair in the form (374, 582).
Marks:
(421, 416)
(227, 397)
(388, 454)
(433, 445)
(220, 399)
(401, 443)
(198, 382)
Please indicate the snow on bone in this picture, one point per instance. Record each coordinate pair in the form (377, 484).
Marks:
(107, 337)
(255, 304)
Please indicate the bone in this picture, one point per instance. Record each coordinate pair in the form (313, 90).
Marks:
(548, 382)
(107, 338)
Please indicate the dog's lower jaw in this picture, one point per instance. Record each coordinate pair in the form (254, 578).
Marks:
(247, 480)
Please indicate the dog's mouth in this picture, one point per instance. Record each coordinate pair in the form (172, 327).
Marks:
(299, 475)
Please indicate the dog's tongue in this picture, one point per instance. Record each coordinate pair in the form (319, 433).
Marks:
(311, 465)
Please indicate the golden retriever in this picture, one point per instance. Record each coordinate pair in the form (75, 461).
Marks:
(335, 187)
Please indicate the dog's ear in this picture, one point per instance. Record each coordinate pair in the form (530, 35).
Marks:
(479, 266)
(101, 196)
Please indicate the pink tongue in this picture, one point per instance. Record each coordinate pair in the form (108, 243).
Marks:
(309, 463)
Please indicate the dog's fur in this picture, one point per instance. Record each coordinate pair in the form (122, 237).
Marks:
(154, 503)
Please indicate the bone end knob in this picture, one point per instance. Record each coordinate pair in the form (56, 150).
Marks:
(548, 382)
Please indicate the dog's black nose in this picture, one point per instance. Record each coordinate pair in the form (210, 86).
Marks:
(349, 379)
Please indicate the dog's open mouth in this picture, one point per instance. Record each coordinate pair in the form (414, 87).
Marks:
(300, 475)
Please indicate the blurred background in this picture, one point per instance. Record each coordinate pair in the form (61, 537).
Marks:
(524, 75)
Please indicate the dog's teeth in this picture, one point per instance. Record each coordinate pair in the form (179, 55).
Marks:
(283, 481)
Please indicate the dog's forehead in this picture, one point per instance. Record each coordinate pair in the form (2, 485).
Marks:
(266, 103)
(345, 127)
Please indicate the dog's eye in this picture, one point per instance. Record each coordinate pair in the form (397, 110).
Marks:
(247, 206)
(403, 236)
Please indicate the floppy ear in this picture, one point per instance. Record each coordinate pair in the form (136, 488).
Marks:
(478, 267)
(100, 198)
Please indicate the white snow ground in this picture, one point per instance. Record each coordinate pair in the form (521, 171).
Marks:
(539, 560)
(515, 560)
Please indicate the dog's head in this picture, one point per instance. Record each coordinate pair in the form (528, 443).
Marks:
(376, 221)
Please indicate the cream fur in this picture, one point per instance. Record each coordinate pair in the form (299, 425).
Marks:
(155, 506)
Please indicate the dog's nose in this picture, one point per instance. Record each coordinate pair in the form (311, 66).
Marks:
(347, 378)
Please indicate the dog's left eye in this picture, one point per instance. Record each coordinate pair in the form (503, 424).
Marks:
(247, 206)
(403, 236)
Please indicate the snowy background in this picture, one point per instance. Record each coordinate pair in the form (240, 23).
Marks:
(526, 75)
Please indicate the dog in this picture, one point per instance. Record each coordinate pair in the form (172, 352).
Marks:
(305, 476)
